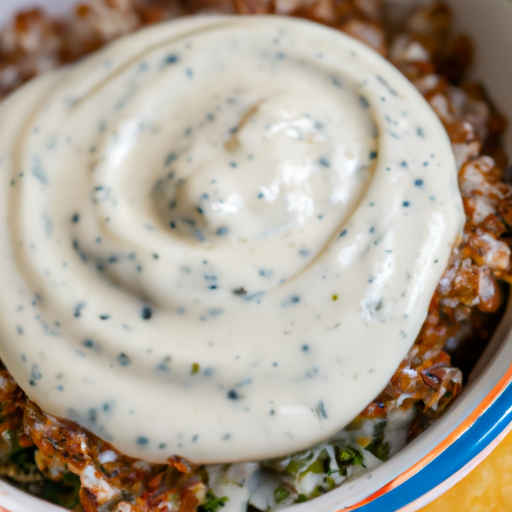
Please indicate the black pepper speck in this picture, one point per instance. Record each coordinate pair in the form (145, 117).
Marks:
(363, 101)
(172, 58)
(123, 359)
(324, 161)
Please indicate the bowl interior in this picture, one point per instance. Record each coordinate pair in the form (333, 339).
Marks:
(488, 23)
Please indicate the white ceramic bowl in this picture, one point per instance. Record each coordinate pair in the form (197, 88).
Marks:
(482, 415)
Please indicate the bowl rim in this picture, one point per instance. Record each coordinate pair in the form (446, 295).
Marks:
(452, 459)
(478, 420)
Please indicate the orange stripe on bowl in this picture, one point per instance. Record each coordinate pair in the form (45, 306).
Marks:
(505, 381)
(458, 476)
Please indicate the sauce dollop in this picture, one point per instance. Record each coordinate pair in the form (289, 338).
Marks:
(220, 235)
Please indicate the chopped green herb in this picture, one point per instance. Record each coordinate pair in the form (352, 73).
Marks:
(296, 465)
(379, 449)
(301, 498)
(317, 467)
(346, 455)
(213, 504)
(318, 491)
(281, 493)
(331, 484)
(378, 429)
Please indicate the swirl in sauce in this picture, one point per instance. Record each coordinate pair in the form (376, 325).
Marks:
(221, 235)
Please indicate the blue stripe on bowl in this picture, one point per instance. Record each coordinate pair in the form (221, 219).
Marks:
(483, 432)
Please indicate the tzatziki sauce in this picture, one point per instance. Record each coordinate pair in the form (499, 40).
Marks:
(219, 236)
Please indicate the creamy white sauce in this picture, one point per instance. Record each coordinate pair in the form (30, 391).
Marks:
(219, 236)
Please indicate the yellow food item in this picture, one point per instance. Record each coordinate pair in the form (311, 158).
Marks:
(486, 489)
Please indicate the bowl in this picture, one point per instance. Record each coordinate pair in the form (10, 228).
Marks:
(481, 416)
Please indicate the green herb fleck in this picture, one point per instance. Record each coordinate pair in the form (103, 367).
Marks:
(301, 498)
(281, 493)
(346, 455)
(212, 504)
(378, 447)
(317, 468)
